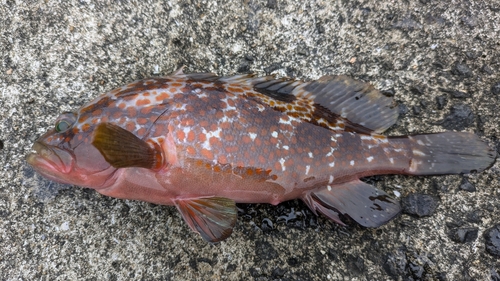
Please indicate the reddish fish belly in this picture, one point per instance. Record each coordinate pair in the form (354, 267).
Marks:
(142, 184)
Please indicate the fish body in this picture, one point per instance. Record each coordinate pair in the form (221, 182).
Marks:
(203, 142)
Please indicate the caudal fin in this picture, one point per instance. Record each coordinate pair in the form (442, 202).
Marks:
(449, 153)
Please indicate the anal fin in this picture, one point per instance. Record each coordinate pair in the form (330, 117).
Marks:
(365, 204)
(212, 217)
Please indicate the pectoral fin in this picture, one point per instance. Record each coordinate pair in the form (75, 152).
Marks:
(365, 204)
(123, 149)
(213, 218)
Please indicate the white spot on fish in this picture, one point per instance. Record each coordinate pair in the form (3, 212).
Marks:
(260, 107)
(418, 152)
(391, 160)
(206, 143)
(369, 159)
(331, 179)
(329, 188)
(352, 163)
(414, 165)
(420, 142)
(252, 136)
(285, 147)
(311, 155)
(332, 164)
(274, 134)
(307, 169)
(282, 162)
(365, 137)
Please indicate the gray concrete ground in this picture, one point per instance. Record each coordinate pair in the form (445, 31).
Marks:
(440, 59)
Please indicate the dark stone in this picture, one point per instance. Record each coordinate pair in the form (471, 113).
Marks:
(395, 264)
(303, 51)
(231, 267)
(474, 217)
(292, 261)
(389, 92)
(417, 90)
(320, 28)
(243, 68)
(472, 55)
(416, 270)
(417, 110)
(332, 255)
(419, 205)
(267, 225)
(254, 272)
(464, 234)
(441, 101)
(459, 118)
(278, 272)
(487, 69)
(265, 251)
(272, 4)
(461, 70)
(402, 109)
(249, 57)
(467, 186)
(357, 263)
(456, 94)
(492, 240)
(495, 89)
(423, 104)
(460, 94)
(441, 276)
(1, 144)
(494, 275)
(272, 67)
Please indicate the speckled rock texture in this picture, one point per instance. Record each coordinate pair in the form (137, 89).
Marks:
(440, 60)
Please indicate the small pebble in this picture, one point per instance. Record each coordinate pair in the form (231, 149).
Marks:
(420, 205)
(492, 240)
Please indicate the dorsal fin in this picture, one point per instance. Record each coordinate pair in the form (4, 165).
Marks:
(335, 102)
(357, 101)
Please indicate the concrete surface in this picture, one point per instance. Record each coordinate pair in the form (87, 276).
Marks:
(436, 57)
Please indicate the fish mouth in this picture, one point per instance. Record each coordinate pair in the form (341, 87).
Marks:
(50, 161)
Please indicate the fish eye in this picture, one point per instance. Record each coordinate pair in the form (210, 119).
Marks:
(65, 121)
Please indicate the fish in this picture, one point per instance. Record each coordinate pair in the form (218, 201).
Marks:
(203, 143)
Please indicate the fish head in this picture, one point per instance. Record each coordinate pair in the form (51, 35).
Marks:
(65, 154)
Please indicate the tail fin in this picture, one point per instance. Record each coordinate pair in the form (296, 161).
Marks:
(449, 153)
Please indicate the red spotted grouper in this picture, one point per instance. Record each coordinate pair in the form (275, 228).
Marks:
(203, 142)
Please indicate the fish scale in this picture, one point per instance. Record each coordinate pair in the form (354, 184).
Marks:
(203, 142)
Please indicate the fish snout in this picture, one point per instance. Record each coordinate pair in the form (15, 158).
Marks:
(50, 158)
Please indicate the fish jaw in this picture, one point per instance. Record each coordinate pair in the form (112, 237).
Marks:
(61, 166)
(51, 162)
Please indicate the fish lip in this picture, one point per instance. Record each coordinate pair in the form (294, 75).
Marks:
(48, 160)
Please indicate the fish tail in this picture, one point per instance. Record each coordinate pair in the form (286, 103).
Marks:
(448, 153)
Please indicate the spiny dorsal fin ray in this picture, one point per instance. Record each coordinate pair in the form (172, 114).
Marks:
(335, 102)
(357, 101)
